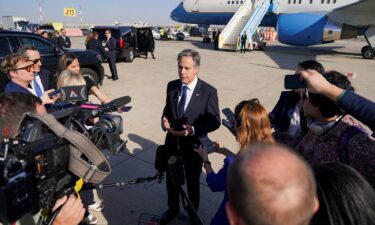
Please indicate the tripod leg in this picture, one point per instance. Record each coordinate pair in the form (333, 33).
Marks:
(190, 205)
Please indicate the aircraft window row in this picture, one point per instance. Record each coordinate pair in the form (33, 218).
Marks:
(311, 1)
(235, 2)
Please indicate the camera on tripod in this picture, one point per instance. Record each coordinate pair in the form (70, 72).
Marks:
(46, 159)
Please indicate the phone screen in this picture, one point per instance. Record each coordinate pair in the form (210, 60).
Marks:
(228, 125)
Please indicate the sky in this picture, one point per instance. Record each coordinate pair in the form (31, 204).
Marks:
(94, 11)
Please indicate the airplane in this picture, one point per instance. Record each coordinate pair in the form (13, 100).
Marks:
(298, 22)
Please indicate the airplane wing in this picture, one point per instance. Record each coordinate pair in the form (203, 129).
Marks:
(360, 6)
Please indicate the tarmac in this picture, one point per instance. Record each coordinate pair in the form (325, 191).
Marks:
(237, 77)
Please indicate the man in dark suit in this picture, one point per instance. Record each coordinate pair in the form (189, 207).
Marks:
(191, 111)
(63, 40)
(43, 79)
(110, 47)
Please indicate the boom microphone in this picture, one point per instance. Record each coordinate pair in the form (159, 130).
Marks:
(176, 170)
(110, 106)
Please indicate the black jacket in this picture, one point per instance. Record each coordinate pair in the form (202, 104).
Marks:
(64, 43)
(96, 46)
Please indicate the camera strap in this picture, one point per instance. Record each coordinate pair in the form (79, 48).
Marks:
(94, 171)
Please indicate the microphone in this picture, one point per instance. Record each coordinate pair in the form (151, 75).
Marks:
(176, 170)
(110, 106)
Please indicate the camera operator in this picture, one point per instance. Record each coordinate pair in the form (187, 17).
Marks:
(12, 107)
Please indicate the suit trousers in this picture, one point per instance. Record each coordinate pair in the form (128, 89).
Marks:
(112, 67)
(192, 168)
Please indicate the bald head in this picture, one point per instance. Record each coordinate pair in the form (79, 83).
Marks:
(269, 184)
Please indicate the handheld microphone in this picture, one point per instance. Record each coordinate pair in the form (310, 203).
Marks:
(176, 170)
(110, 106)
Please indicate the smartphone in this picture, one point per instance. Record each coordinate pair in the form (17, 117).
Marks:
(228, 125)
(294, 82)
(125, 108)
(207, 143)
(54, 93)
(229, 114)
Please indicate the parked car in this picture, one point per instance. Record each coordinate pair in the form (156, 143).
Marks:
(174, 32)
(90, 61)
(195, 32)
(129, 40)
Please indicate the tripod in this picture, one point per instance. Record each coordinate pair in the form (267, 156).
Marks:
(177, 175)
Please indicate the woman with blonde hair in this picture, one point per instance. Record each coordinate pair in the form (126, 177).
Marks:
(69, 78)
(252, 126)
(70, 62)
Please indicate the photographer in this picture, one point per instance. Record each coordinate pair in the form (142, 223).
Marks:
(12, 107)
(354, 104)
(252, 126)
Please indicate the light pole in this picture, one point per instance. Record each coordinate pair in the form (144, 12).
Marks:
(40, 11)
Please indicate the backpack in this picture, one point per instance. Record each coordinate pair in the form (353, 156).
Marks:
(344, 140)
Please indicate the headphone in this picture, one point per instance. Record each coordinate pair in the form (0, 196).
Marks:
(319, 128)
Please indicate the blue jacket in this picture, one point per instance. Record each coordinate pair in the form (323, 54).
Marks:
(359, 107)
(217, 183)
(13, 87)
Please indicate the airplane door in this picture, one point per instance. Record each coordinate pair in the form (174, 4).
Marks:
(195, 6)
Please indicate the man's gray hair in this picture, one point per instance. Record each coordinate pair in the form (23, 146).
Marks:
(190, 53)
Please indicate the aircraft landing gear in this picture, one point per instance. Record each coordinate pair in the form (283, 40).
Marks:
(368, 52)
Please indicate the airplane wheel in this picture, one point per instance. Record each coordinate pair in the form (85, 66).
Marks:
(368, 52)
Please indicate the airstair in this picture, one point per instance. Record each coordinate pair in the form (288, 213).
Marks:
(247, 18)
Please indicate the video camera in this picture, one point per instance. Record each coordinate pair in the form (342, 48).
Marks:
(46, 159)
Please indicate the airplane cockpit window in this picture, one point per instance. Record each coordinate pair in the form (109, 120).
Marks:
(328, 1)
(228, 2)
(311, 1)
(289, 1)
(236, 2)
(232, 2)
(299, 1)
(241, 2)
(322, 1)
(294, 1)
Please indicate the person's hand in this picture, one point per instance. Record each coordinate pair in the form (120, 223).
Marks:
(165, 124)
(187, 131)
(315, 81)
(202, 152)
(219, 147)
(46, 99)
(71, 213)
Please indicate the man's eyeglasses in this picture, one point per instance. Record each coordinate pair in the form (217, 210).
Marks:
(28, 68)
(35, 61)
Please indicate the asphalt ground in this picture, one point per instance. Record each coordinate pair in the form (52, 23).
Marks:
(237, 77)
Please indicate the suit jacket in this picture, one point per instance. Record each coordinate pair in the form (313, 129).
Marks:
(281, 115)
(48, 80)
(202, 112)
(111, 45)
(62, 43)
(13, 87)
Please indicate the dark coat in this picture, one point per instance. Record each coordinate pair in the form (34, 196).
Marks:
(359, 107)
(95, 45)
(62, 43)
(202, 113)
(48, 80)
(13, 87)
(111, 45)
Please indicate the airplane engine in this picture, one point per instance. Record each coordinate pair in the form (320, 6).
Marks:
(304, 29)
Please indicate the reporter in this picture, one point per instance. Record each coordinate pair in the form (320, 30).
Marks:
(354, 104)
(252, 126)
(70, 62)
